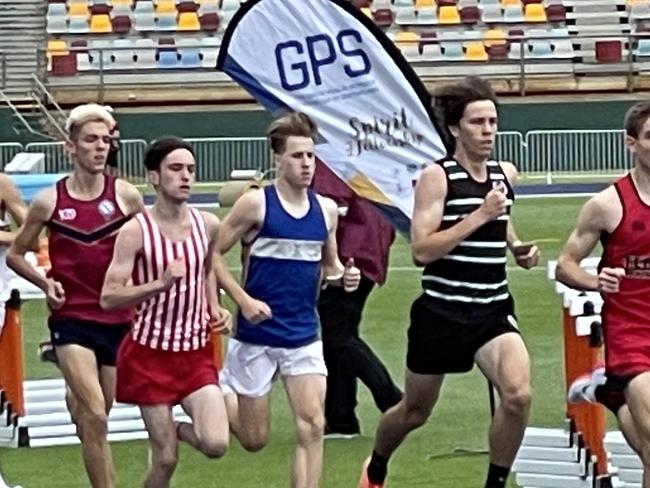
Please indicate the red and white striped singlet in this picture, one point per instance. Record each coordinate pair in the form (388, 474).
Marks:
(177, 319)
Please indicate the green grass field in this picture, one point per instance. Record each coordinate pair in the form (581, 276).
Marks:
(425, 459)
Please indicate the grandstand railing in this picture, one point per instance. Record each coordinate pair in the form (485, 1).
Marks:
(541, 154)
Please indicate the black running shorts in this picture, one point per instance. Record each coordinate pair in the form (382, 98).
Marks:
(440, 345)
(103, 339)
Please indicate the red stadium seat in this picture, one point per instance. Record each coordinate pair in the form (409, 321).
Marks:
(64, 65)
(556, 13)
(121, 24)
(383, 17)
(609, 51)
(187, 6)
(166, 44)
(100, 8)
(497, 52)
(470, 15)
(209, 22)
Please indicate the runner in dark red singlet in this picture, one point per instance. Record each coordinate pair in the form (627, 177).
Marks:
(619, 217)
(82, 213)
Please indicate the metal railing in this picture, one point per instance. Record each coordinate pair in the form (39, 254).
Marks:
(575, 152)
(510, 146)
(217, 158)
(7, 151)
(544, 154)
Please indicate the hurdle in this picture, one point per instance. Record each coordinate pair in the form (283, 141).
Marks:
(12, 402)
(581, 454)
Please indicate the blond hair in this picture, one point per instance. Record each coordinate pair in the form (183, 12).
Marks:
(89, 112)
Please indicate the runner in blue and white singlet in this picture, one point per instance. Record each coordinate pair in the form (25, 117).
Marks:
(282, 268)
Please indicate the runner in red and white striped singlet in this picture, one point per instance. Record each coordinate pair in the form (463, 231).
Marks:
(177, 319)
(163, 265)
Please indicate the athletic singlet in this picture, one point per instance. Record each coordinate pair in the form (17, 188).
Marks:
(176, 319)
(81, 238)
(469, 283)
(283, 270)
(626, 314)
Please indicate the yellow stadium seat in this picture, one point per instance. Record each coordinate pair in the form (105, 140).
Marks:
(494, 37)
(57, 47)
(424, 3)
(100, 24)
(406, 37)
(188, 21)
(475, 51)
(78, 10)
(505, 3)
(166, 7)
(448, 14)
(535, 12)
(367, 12)
(122, 2)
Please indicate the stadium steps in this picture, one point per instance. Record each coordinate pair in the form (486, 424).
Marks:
(630, 469)
(22, 40)
(47, 421)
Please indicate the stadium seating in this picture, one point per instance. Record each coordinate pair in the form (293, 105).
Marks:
(130, 32)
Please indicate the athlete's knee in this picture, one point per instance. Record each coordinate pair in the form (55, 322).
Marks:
(414, 416)
(254, 437)
(213, 447)
(214, 450)
(253, 444)
(92, 421)
(164, 461)
(516, 401)
(309, 428)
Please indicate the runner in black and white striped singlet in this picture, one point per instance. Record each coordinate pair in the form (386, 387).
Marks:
(469, 283)
(460, 233)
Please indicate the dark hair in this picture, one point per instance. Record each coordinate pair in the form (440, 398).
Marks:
(292, 124)
(635, 117)
(160, 148)
(450, 101)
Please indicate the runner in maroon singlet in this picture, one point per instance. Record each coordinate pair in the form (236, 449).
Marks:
(82, 213)
(619, 217)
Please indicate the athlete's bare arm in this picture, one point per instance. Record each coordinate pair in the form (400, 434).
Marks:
(428, 242)
(243, 221)
(10, 198)
(525, 253)
(119, 291)
(332, 267)
(38, 214)
(601, 213)
(334, 272)
(128, 197)
(220, 319)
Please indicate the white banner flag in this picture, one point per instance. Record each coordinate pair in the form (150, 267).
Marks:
(327, 59)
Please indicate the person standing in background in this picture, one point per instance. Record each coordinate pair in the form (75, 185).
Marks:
(366, 236)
